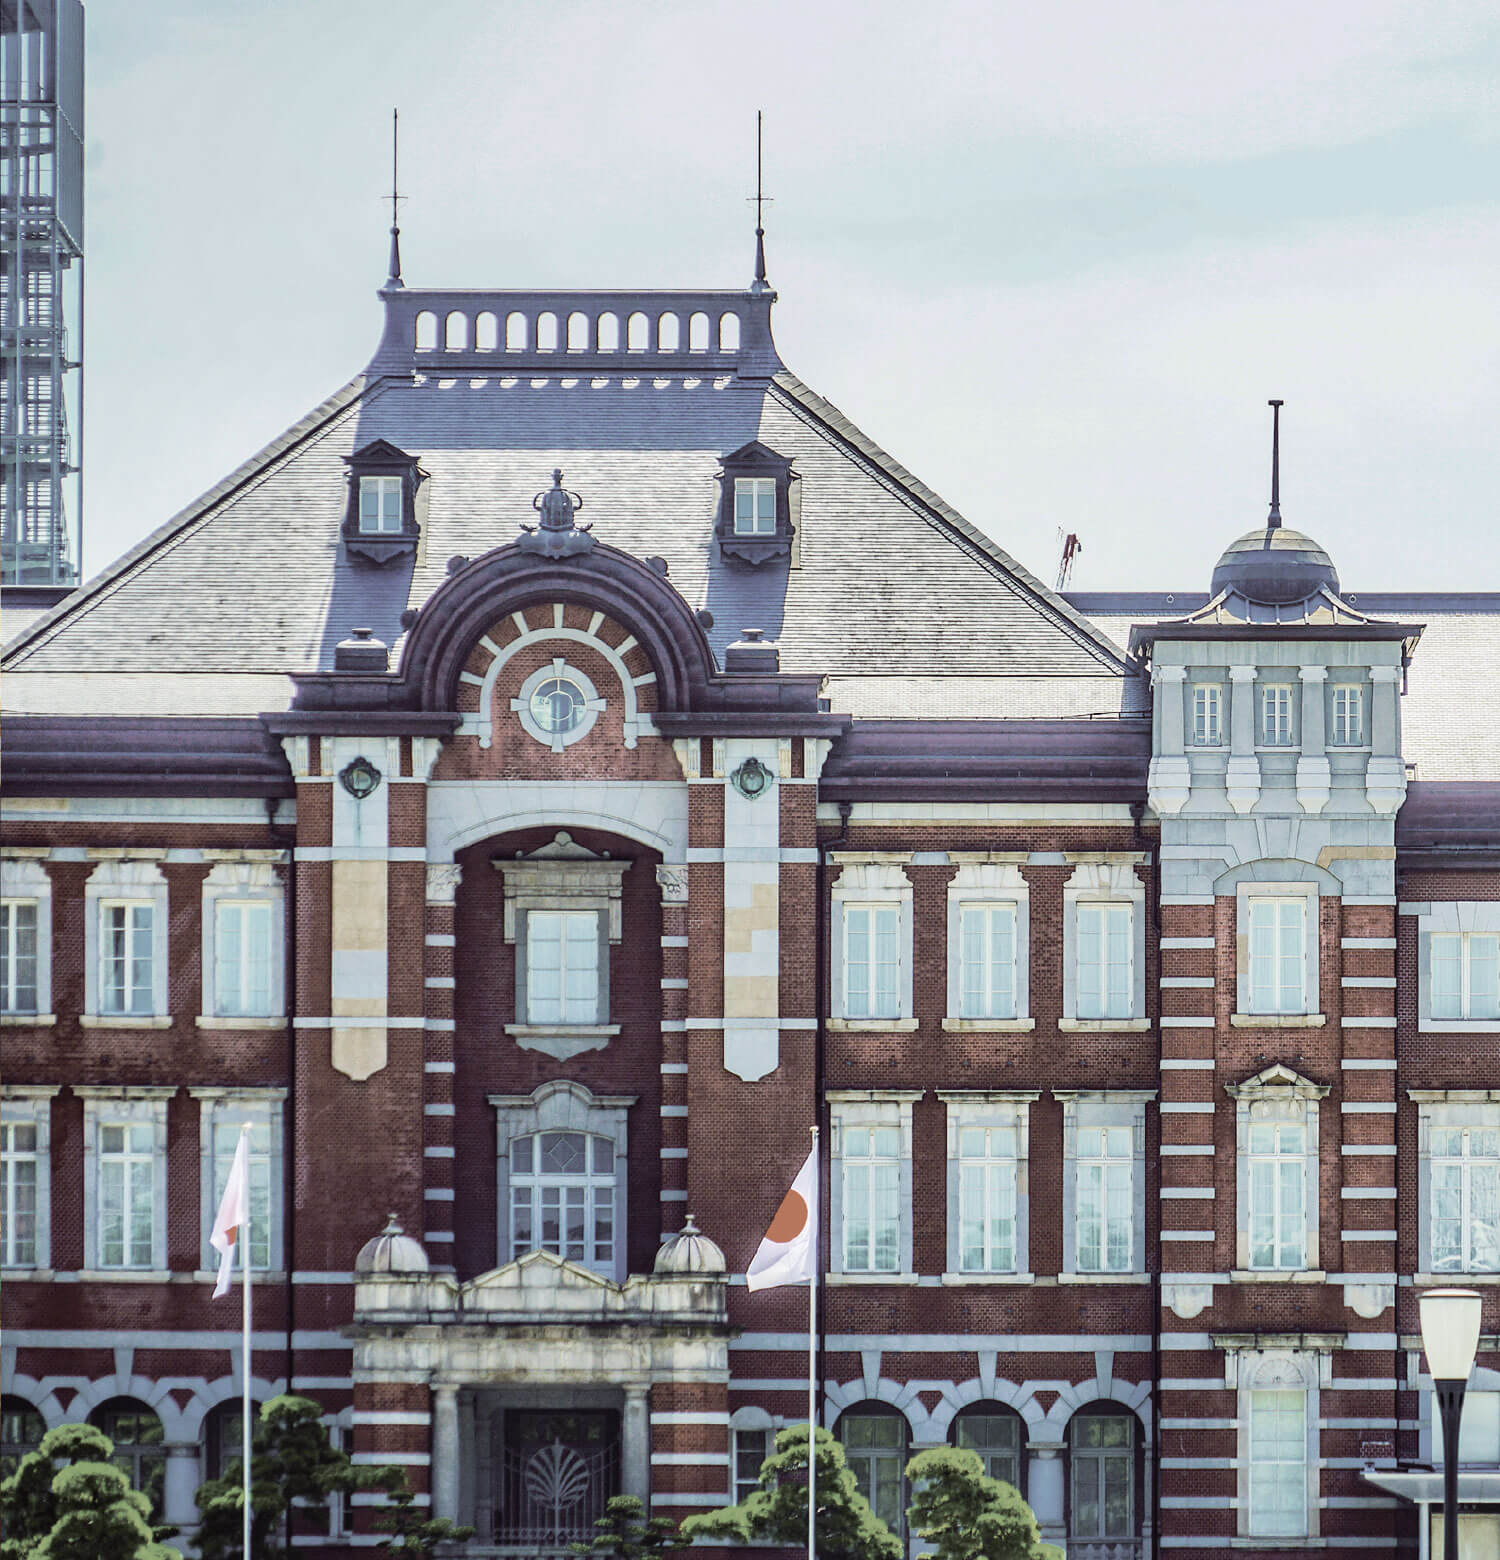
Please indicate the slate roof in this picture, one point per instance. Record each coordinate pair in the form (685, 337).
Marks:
(888, 589)
(1450, 719)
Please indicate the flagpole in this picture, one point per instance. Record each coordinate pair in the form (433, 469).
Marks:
(812, 1357)
(244, 1235)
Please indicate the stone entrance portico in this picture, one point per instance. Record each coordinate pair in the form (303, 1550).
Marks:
(548, 1387)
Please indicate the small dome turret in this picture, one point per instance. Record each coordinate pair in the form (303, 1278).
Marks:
(392, 1251)
(1274, 566)
(689, 1253)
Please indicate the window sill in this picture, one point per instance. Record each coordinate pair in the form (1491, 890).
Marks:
(980, 1026)
(127, 1276)
(1104, 1278)
(1278, 1020)
(1242, 1542)
(852, 1279)
(1458, 1026)
(257, 1276)
(1278, 1276)
(1437, 1280)
(27, 1275)
(871, 1026)
(562, 1042)
(125, 1021)
(238, 1021)
(1103, 1026)
(27, 1020)
(1278, 747)
(989, 1278)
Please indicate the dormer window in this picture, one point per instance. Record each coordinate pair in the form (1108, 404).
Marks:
(379, 505)
(380, 520)
(755, 510)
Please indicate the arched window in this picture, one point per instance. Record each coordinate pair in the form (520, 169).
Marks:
(875, 1439)
(729, 333)
(515, 332)
(607, 329)
(139, 1453)
(698, 333)
(562, 1197)
(426, 331)
(485, 332)
(637, 333)
(456, 334)
(546, 332)
(21, 1431)
(668, 330)
(223, 1437)
(578, 331)
(998, 1435)
(1102, 1454)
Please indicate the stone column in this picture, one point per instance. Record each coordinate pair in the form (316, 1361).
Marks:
(1385, 775)
(1170, 779)
(445, 1451)
(1044, 1489)
(182, 1478)
(635, 1449)
(1313, 778)
(1242, 774)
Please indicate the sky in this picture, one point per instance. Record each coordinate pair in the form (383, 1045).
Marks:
(1054, 258)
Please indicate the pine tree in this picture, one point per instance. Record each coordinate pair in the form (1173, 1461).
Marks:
(625, 1532)
(966, 1514)
(413, 1533)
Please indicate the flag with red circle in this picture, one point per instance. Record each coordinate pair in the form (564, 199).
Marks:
(789, 1251)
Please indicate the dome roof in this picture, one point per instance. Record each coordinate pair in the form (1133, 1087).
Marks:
(689, 1251)
(1274, 565)
(391, 1251)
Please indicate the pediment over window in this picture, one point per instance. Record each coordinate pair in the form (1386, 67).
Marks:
(1278, 1080)
(755, 504)
(380, 517)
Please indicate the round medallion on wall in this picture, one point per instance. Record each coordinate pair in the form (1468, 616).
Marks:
(752, 779)
(557, 705)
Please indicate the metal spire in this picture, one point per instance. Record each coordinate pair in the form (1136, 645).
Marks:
(1273, 520)
(394, 279)
(760, 284)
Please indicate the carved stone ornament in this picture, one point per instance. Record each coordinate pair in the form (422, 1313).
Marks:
(752, 779)
(673, 883)
(558, 536)
(442, 881)
(360, 778)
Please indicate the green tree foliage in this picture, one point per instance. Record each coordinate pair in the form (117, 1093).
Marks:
(291, 1458)
(83, 1510)
(776, 1511)
(966, 1514)
(625, 1532)
(414, 1533)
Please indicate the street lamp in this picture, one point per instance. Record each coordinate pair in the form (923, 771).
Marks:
(1450, 1335)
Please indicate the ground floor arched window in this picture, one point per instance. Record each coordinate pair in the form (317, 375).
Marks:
(139, 1450)
(1103, 1473)
(998, 1434)
(876, 1442)
(21, 1431)
(223, 1437)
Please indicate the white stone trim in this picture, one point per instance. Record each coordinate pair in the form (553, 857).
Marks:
(31, 1104)
(1103, 1108)
(1276, 1093)
(868, 1108)
(1247, 890)
(870, 878)
(249, 878)
(24, 878)
(988, 878)
(989, 1108)
(520, 706)
(1108, 879)
(137, 879)
(110, 1105)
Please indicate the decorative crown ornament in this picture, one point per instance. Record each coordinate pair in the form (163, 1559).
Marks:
(557, 536)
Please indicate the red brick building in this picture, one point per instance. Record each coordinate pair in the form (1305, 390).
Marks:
(574, 760)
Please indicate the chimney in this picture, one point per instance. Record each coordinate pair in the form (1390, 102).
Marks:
(361, 652)
(751, 653)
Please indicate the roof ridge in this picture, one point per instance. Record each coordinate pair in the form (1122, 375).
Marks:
(841, 427)
(33, 635)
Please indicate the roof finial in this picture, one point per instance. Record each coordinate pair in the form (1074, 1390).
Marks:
(1273, 520)
(394, 279)
(760, 284)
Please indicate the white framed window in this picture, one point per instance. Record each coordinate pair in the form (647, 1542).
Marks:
(1208, 704)
(1276, 1170)
(870, 1180)
(1106, 948)
(870, 935)
(1278, 1462)
(1465, 975)
(988, 1200)
(1104, 943)
(221, 1114)
(562, 966)
(754, 506)
(125, 1176)
(127, 951)
(561, 1155)
(1458, 1180)
(243, 939)
(1348, 727)
(380, 505)
(752, 1445)
(557, 705)
(242, 957)
(1478, 1430)
(996, 1434)
(1276, 715)
(26, 1175)
(1278, 973)
(987, 960)
(18, 940)
(1277, 1393)
(562, 915)
(876, 1441)
(125, 934)
(1101, 1451)
(989, 944)
(563, 1197)
(25, 939)
(1104, 1200)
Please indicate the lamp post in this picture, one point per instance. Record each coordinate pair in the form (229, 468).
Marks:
(1450, 1335)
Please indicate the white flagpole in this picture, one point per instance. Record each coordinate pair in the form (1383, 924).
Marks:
(812, 1358)
(244, 1234)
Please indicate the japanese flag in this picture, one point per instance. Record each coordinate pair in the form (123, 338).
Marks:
(234, 1213)
(789, 1250)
